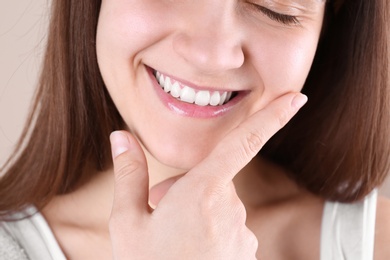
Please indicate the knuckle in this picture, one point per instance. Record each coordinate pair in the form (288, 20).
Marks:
(283, 117)
(210, 200)
(127, 168)
(219, 208)
(213, 191)
(253, 142)
(212, 209)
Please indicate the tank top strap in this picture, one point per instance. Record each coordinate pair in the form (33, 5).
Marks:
(32, 233)
(348, 229)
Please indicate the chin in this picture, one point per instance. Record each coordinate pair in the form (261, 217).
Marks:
(182, 159)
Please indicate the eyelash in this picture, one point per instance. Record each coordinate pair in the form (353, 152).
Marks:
(278, 17)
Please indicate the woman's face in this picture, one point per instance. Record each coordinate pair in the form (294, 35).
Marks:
(206, 51)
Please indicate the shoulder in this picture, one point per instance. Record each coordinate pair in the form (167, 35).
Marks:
(382, 229)
(9, 247)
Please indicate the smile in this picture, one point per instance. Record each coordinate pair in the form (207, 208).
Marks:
(190, 100)
(190, 95)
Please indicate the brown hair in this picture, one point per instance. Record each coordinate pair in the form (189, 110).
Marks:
(337, 146)
(71, 118)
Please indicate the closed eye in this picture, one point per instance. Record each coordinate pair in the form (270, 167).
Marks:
(278, 17)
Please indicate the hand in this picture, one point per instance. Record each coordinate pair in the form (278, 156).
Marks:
(209, 221)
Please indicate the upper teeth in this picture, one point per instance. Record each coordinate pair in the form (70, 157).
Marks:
(190, 95)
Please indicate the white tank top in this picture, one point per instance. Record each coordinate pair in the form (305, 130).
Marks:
(29, 239)
(348, 230)
(347, 233)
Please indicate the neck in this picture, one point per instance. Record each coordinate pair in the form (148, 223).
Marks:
(262, 183)
(89, 207)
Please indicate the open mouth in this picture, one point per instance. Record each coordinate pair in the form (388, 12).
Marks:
(190, 95)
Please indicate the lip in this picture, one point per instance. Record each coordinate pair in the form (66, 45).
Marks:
(192, 110)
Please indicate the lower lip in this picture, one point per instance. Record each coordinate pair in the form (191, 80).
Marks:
(191, 110)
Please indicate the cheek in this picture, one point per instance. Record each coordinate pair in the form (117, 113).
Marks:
(283, 63)
(125, 28)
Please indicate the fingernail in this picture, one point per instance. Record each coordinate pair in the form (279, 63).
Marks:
(119, 143)
(299, 100)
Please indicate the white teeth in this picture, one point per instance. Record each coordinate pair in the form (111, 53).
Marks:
(228, 96)
(167, 85)
(161, 80)
(187, 95)
(215, 98)
(190, 95)
(223, 98)
(175, 90)
(202, 98)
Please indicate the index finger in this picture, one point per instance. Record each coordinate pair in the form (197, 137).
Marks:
(239, 146)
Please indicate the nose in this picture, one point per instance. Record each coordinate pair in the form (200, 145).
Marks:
(211, 43)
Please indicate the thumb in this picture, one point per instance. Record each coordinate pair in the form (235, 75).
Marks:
(130, 175)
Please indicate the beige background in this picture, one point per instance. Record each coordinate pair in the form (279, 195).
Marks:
(22, 40)
(22, 33)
